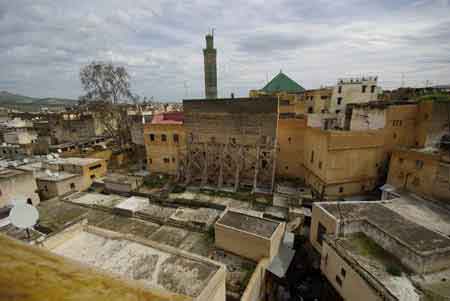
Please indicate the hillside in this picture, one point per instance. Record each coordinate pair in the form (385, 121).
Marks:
(7, 98)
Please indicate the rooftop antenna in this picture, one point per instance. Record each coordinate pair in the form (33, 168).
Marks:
(23, 216)
(186, 89)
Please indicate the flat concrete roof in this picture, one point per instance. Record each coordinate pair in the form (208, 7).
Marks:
(376, 261)
(57, 278)
(119, 178)
(204, 216)
(75, 161)
(96, 199)
(152, 266)
(6, 173)
(133, 204)
(55, 176)
(409, 232)
(35, 166)
(56, 215)
(252, 224)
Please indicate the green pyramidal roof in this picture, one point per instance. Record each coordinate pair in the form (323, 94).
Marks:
(282, 83)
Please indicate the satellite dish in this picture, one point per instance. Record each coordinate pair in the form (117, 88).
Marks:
(23, 216)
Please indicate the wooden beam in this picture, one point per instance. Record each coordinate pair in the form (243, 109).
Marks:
(255, 179)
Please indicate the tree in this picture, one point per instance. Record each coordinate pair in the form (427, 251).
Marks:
(106, 86)
(105, 82)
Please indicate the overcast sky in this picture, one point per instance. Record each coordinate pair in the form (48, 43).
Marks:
(43, 43)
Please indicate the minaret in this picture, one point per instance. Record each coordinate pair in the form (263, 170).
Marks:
(210, 55)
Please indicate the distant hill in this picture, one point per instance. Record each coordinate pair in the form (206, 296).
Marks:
(11, 99)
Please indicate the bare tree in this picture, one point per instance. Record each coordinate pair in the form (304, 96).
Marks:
(105, 82)
(107, 86)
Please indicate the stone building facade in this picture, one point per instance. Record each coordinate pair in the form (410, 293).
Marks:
(231, 142)
(353, 90)
(165, 143)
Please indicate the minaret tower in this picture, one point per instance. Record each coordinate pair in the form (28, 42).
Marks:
(210, 56)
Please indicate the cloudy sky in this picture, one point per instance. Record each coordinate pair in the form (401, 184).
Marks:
(43, 43)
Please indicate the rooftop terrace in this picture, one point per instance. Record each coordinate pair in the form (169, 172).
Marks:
(151, 265)
(412, 234)
(243, 222)
(147, 224)
(61, 279)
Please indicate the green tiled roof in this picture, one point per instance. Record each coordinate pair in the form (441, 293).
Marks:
(282, 83)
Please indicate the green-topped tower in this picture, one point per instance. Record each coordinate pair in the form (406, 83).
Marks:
(210, 58)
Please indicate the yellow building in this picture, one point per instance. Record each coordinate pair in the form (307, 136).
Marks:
(432, 122)
(291, 134)
(342, 163)
(424, 172)
(165, 142)
(89, 169)
(249, 236)
(317, 100)
(391, 250)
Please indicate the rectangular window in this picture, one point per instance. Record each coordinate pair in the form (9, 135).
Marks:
(339, 100)
(163, 138)
(321, 231)
(341, 189)
(338, 280)
(340, 89)
(152, 137)
(363, 88)
(419, 164)
(175, 138)
(95, 167)
(372, 89)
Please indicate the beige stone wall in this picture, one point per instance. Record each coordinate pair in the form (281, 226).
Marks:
(256, 286)
(291, 142)
(20, 187)
(327, 158)
(240, 243)
(317, 100)
(326, 220)
(400, 127)
(231, 142)
(50, 189)
(88, 172)
(414, 171)
(164, 156)
(20, 137)
(352, 287)
(352, 93)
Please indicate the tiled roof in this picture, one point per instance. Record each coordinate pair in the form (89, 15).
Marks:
(282, 83)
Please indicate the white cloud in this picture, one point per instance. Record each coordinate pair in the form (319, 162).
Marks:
(44, 43)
